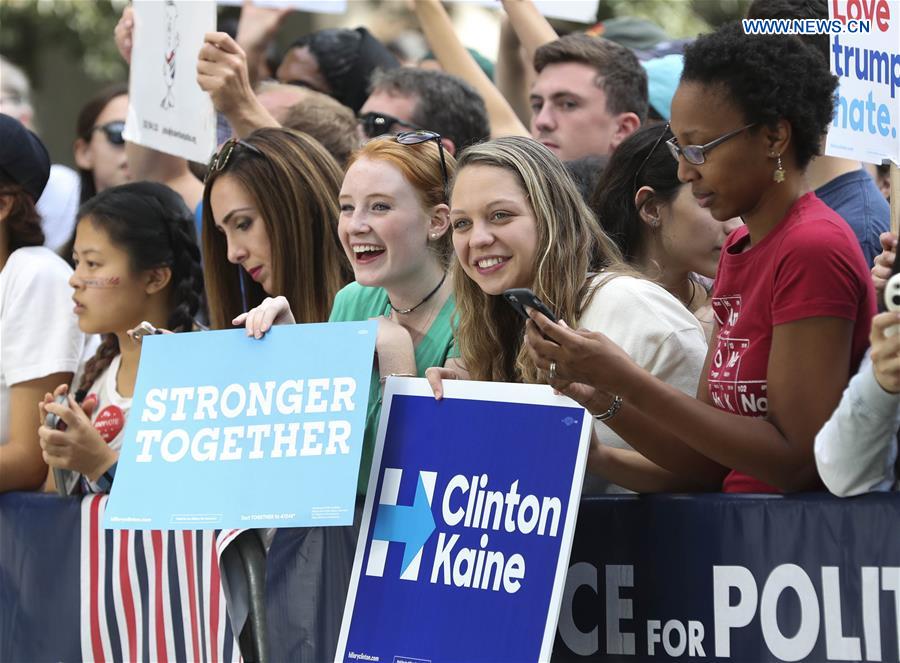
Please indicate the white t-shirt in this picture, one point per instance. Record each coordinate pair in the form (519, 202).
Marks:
(111, 410)
(58, 206)
(39, 332)
(658, 333)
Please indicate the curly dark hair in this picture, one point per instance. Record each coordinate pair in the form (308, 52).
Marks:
(768, 77)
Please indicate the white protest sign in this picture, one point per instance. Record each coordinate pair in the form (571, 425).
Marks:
(167, 110)
(867, 113)
(314, 6)
(579, 11)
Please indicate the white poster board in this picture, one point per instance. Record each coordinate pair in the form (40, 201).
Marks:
(579, 11)
(867, 114)
(167, 110)
(313, 6)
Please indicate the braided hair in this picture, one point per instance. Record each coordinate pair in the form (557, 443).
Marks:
(151, 223)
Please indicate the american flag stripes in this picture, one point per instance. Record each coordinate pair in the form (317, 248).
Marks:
(152, 595)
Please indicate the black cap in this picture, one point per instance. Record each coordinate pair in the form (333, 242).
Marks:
(23, 157)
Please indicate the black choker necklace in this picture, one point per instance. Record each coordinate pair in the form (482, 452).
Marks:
(404, 311)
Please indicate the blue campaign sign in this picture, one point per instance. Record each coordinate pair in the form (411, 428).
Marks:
(467, 526)
(227, 431)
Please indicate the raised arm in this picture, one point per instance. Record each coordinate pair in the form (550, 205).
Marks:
(512, 75)
(530, 25)
(456, 60)
(256, 30)
(222, 72)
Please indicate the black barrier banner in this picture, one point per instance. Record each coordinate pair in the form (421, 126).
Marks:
(733, 578)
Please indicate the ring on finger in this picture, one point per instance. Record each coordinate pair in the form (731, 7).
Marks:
(552, 370)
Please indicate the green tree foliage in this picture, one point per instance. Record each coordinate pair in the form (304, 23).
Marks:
(84, 28)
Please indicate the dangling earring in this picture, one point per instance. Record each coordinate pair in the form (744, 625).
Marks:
(778, 175)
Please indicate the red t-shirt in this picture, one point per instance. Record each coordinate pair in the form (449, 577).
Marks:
(810, 265)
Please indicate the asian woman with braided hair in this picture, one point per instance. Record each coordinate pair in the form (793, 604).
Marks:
(136, 258)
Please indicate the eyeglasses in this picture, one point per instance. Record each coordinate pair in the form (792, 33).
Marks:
(377, 124)
(423, 136)
(220, 159)
(696, 154)
(113, 131)
(647, 158)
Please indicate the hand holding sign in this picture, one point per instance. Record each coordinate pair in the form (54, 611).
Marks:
(222, 72)
(124, 33)
(259, 320)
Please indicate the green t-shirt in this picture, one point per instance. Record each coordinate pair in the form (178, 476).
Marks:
(359, 302)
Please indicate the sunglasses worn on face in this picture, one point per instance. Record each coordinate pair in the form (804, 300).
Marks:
(220, 159)
(696, 154)
(113, 131)
(377, 124)
(423, 136)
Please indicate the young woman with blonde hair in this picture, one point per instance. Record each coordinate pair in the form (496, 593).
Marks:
(270, 207)
(518, 221)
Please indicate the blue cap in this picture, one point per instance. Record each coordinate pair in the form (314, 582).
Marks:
(663, 75)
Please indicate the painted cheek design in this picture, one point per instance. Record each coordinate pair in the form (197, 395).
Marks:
(102, 282)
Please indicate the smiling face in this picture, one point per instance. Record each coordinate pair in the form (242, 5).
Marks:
(737, 172)
(104, 159)
(109, 297)
(690, 235)
(569, 112)
(236, 216)
(384, 227)
(495, 233)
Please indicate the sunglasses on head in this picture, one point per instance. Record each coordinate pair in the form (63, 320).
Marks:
(647, 158)
(377, 124)
(113, 131)
(423, 136)
(220, 159)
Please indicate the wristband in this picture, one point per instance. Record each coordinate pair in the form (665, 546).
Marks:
(384, 378)
(611, 412)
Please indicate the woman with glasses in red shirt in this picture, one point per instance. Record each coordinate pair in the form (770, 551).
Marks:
(792, 298)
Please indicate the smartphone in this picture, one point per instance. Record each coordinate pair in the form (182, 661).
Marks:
(520, 298)
(66, 481)
(53, 420)
(142, 330)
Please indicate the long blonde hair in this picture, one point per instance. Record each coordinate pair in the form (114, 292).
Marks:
(570, 244)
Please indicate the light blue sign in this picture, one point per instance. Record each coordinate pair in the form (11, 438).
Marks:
(227, 431)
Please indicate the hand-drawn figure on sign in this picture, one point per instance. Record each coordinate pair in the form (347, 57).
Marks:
(172, 39)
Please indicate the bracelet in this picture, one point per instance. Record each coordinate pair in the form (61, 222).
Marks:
(384, 378)
(612, 411)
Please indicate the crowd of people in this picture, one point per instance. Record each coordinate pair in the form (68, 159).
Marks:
(714, 277)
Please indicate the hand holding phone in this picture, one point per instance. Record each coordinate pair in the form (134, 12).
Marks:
(54, 420)
(142, 330)
(522, 298)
